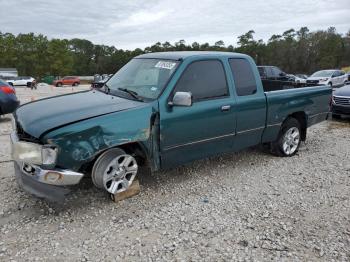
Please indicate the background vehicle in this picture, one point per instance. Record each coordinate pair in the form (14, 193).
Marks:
(274, 78)
(100, 80)
(22, 81)
(67, 80)
(8, 99)
(301, 76)
(160, 110)
(333, 78)
(341, 102)
(297, 79)
(273, 73)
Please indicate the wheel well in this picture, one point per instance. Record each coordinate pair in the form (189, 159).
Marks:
(301, 117)
(134, 149)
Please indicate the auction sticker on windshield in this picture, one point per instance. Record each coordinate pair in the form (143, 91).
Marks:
(165, 65)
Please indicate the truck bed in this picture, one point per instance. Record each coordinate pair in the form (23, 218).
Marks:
(312, 102)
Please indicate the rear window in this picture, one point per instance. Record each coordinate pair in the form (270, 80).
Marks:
(243, 76)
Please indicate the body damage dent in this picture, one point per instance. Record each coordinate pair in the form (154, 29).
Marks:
(77, 147)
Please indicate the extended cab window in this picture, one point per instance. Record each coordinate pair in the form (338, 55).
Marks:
(243, 76)
(204, 79)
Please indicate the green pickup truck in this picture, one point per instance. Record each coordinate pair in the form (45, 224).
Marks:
(160, 110)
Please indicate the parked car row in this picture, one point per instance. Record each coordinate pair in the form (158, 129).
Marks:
(331, 77)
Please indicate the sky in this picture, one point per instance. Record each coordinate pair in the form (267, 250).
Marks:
(141, 23)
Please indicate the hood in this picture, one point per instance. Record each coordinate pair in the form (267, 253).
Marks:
(37, 117)
(343, 91)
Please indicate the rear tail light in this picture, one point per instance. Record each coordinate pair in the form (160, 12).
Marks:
(7, 90)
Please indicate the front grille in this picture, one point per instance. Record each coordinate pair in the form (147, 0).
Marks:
(341, 100)
(312, 81)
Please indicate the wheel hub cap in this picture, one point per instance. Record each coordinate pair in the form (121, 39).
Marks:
(291, 140)
(120, 174)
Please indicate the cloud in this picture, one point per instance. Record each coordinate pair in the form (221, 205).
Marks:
(140, 18)
(138, 23)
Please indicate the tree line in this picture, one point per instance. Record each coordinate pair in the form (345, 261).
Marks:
(293, 51)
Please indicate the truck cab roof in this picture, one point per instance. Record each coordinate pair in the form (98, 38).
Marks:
(181, 55)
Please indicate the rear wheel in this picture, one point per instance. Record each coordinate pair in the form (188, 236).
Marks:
(289, 139)
(114, 171)
(75, 84)
(59, 84)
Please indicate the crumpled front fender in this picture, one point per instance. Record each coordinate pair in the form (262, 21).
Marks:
(81, 142)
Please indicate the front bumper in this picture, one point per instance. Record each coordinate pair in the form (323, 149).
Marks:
(44, 183)
(340, 110)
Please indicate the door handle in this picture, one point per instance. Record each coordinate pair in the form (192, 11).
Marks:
(225, 108)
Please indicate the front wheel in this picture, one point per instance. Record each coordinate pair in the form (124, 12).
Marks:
(114, 171)
(289, 139)
(59, 84)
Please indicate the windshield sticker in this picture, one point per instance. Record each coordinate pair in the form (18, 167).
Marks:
(165, 65)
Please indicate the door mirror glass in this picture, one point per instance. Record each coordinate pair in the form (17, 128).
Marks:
(182, 99)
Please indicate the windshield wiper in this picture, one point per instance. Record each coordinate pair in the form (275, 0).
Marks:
(132, 93)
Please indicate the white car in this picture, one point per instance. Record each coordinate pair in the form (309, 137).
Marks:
(297, 79)
(21, 81)
(332, 78)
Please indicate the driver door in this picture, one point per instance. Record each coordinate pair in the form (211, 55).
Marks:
(205, 128)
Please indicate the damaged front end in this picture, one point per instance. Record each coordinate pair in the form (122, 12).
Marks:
(35, 171)
(74, 147)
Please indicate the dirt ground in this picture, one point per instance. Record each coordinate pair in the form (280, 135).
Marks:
(241, 206)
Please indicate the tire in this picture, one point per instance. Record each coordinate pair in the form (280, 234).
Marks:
(289, 139)
(75, 84)
(114, 171)
(335, 116)
(58, 84)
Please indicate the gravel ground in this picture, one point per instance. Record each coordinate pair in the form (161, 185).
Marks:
(242, 206)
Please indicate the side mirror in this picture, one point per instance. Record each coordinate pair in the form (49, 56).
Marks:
(181, 99)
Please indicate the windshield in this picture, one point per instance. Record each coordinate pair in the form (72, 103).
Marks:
(323, 73)
(144, 77)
